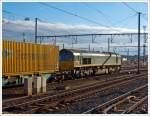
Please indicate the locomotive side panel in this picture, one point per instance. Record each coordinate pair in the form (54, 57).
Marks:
(112, 60)
(99, 60)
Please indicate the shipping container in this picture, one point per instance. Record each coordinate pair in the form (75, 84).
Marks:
(19, 58)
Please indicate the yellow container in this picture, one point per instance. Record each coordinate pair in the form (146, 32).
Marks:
(26, 58)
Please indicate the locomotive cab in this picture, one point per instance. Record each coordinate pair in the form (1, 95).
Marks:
(66, 59)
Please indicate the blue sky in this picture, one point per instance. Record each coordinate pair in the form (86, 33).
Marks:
(114, 11)
(116, 15)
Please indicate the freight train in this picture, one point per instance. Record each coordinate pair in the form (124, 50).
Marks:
(27, 60)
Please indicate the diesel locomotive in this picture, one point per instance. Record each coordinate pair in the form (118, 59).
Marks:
(81, 62)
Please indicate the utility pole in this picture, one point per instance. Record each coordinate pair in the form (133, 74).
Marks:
(139, 15)
(40, 40)
(89, 47)
(144, 53)
(36, 30)
(108, 44)
(72, 43)
(128, 54)
(144, 28)
(76, 40)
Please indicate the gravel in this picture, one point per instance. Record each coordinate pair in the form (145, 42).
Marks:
(92, 101)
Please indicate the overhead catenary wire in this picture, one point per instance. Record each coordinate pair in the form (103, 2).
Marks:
(107, 17)
(15, 14)
(125, 19)
(144, 17)
(12, 31)
(43, 21)
(130, 7)
(70, 13)
(65, 10)
(137, 12)
(76, 15)
(81, 17)
(9, 12)
(144, 14)
(19, 33)
(18, 24)
(22, 25)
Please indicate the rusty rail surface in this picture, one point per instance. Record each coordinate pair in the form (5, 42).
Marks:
(111, 106)
(137, 104)
(66, 96)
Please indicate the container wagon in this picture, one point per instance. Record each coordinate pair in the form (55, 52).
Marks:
(21, 59)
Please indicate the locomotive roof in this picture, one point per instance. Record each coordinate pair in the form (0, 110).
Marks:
(85, 51)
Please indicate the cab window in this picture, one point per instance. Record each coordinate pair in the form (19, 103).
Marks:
(66, 57)
(86, 60)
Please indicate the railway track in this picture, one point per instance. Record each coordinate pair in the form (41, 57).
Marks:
(32, 104)
(14, 92)
(141, 107)
(132, 69)
(122, 71)
(28, 98)
(122, 104)
(25, 98)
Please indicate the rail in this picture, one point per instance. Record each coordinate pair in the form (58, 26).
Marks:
(107, 106)
(70, 95)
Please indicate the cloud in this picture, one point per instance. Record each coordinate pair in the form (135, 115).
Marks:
(59, 28)
(14, 29)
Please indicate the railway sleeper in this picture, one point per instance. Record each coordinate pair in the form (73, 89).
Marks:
(90, 92)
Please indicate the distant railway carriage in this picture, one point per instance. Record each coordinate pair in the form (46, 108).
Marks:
(83, 61)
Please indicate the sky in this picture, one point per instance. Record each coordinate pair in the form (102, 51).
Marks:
(104, 18)
(114, 11)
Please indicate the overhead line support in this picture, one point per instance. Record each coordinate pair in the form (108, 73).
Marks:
(36, 30)
(139, 15)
